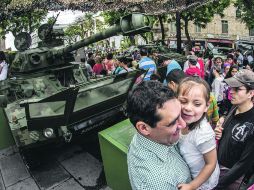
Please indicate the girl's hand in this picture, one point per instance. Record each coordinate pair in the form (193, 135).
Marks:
(185, 187)
(218, 129)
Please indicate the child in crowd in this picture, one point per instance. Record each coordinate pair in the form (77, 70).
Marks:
(218, 86)
(226, 68)
(197, 143)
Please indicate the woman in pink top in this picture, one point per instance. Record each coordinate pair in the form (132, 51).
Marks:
(109, 63)
(98, 67)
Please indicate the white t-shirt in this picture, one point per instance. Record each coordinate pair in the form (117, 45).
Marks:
(3, 72)
(192, 146)
(250, 58)
(218, 88)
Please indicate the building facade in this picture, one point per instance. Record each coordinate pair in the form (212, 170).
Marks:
(226, 29)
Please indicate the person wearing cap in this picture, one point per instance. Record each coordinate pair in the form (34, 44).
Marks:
(153, 158)
(236, 132)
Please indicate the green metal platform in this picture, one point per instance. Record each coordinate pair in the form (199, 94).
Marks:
(114, 143)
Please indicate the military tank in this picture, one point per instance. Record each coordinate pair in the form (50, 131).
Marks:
(48, 98)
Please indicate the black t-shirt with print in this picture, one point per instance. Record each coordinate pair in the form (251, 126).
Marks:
(236, 147)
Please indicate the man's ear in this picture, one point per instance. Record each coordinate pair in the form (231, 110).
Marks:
(172, 85)
(143, 128)
(251, 94)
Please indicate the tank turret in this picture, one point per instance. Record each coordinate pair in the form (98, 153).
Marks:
(48, 98)
(39, 59)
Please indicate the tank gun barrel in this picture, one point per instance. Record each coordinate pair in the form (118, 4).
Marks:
(113, 30)
(129, 25)
(43, 58)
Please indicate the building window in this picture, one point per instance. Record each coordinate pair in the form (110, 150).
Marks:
(197, 28)
(173, 27)
(224, 26)
(252, 32)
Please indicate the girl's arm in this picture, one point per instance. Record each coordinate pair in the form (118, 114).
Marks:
(210, 159)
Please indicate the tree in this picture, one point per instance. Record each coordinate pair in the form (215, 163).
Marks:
(84, 27)
(246, 10)
(27, 21)
(202, 15)
(112, 17)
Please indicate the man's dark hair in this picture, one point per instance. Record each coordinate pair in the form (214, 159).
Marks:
(155, 76)
(143, 52)
(110, 56)
(216, 58)
(90, 54)
(176, 76)
(230, 56)
(193, 62)
(144, 101)
(2, 56)
(123, 59)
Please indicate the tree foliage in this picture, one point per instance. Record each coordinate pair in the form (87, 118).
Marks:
(246, 10)
(203, 14)
(28, 21)
(112, 17)
(84, 27)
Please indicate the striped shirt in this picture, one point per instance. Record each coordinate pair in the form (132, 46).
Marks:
(155, 166)
(147, 63)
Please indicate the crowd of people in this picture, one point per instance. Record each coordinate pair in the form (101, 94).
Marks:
(195, 130)
(195, 127)
(97, 65)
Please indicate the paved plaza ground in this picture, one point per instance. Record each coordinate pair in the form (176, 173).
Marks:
(68, 167)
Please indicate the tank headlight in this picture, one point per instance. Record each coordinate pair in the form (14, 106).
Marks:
(48, 132)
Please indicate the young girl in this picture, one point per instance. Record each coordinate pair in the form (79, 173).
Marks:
(197, 143)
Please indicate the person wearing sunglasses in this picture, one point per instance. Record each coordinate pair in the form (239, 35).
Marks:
(236, 133)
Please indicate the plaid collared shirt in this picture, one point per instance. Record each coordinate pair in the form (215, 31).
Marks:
(155, 166)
